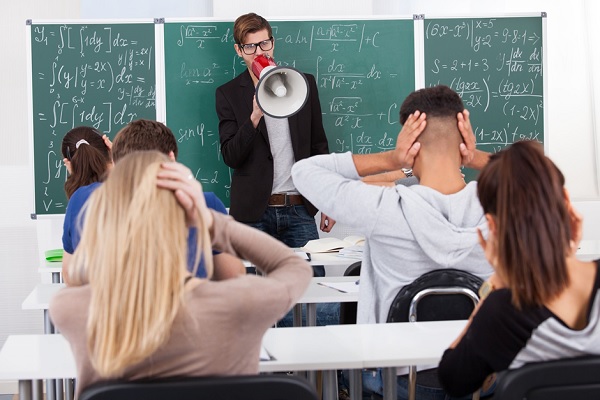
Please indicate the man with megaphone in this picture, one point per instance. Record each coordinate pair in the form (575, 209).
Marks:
(269, 118)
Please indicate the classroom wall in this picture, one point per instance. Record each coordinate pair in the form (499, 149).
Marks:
(573, 105)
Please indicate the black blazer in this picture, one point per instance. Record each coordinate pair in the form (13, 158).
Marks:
(247, 150)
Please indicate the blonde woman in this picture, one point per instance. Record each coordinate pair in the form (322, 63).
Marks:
(137, 312)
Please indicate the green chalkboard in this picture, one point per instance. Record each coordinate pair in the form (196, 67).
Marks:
(496, 65)
(363, 68)
(101, 75)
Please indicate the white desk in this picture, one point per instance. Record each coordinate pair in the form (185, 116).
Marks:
(34, 357)
(316, 293)
(55, 268)
(39, 299)
(394, 345)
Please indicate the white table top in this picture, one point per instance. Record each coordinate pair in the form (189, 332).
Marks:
(399, 344)
(316, 293)
(307, 349)
(25, 357)
(39, 298)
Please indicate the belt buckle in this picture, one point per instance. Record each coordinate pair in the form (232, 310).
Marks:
(286, 200)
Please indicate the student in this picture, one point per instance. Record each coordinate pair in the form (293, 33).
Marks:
(410, 230)
(261, 149)
(143, 313)
(143, 135)
(86, 154)
(543, 302)
(87, 157)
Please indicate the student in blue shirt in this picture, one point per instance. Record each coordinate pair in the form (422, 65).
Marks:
(86, 154)
(143, 135)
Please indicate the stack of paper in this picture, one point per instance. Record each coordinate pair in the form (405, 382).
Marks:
(355, 251)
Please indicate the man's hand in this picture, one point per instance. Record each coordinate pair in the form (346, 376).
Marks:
(326, 223)
(407, 146)
(257, 113)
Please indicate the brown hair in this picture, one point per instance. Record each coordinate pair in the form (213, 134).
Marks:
(524, 191)
(84, 147)
(249, 23)
(142, 135)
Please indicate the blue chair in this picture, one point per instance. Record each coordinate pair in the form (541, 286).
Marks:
(254, 387)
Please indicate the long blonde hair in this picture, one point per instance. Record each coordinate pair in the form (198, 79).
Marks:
(133, 252)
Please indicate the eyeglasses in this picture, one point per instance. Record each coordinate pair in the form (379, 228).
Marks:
(250, 48)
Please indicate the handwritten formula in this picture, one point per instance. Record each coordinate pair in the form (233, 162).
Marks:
(496, 66)
(360, 81)
(85, 74)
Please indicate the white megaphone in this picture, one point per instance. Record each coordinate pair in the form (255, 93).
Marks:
(281, 91)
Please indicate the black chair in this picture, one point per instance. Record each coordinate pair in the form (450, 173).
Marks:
(574, 378)
(348, 309)
(440, 295)
(255, 387)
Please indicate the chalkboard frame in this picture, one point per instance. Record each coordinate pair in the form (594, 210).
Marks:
(160, 85)
(395, 31)
(30, 24)
(543, 18)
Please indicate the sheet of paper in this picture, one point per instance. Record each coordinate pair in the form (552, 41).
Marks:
(345, 287)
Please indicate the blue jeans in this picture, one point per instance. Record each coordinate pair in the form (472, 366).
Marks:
(327, 314)
(291, 225)
(372, 381)
(294, 226)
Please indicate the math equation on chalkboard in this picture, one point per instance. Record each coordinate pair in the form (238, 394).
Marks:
(100, 75)
(496, 66)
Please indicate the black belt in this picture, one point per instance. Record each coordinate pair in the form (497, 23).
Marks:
(285, 200)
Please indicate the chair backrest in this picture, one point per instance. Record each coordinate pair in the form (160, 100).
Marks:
(255, 387)
(440, 295)
(348, 309)
(574, 378)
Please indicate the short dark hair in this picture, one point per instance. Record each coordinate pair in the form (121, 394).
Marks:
(435, 101)
(524, 192)
(143, 134)
(84, 147)
(249, 23)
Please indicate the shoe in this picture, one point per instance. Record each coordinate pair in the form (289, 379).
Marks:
(343, 394)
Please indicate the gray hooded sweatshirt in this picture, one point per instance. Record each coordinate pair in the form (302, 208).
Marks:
(409, 230)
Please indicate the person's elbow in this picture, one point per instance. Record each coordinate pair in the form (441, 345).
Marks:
(456, 383)
(299, 173)
(227, 266)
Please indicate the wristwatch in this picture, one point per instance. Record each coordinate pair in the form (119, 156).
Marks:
(408, 172)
